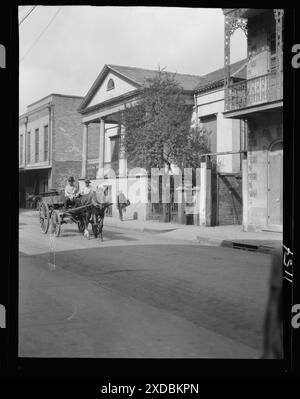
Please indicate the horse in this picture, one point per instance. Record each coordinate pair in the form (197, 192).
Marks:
(96, 203)
(83, 214)
(97, 210)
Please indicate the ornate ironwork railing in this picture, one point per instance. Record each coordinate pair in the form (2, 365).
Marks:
(254, 91)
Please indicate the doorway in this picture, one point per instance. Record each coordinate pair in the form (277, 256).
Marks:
(275, 186)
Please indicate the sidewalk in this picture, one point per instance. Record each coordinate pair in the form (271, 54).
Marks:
(227, 236)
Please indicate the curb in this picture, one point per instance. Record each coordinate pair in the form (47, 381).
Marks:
(235, 244)
(140, 229)
(206, 241)
(265, 249)
(216, 242)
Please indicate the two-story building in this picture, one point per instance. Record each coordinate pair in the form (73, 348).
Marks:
(50, 145)
(258, 100)
(115, 88)
(226, 139)
(118, 86)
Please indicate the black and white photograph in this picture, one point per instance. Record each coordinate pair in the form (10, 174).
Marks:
(150, 182)
(151, 173)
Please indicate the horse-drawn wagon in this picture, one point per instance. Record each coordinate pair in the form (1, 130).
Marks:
(88, 209)
(53, 214)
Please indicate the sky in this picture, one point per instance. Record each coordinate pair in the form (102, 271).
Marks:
(63, 48)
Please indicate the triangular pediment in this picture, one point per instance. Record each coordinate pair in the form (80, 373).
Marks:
(127, 80)
(109, 85)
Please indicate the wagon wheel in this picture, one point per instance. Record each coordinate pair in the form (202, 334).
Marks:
(56, 223)
(44, 217)
(80, 225)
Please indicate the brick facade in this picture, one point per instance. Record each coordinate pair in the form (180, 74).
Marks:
(62, 170)
(67, 129)
(65, 143)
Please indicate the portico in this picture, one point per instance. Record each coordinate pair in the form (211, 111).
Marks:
(103, 107)
(111, 153)
(116, 88)
(108, 131)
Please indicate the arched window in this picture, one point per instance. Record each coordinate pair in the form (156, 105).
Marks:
(110, 85)
(276, 146)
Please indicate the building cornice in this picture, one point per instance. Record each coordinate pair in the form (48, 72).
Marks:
(216, 84)
(110, 102)
(36, 110)
(134, 94)
(54, 95)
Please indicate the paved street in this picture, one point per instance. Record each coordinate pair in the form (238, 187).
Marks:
(137, 294)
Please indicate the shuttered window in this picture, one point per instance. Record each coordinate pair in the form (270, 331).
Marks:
(209, 126)
(46, 143)
(21, 150)
(28, 147)
(37, 145)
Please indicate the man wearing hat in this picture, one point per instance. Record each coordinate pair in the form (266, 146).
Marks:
(122, 203)
(87, 189)
(71, 192)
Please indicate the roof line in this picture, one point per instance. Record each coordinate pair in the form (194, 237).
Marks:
(213, 84)
(231, 65)
(87, 96)
(155, 70)
(112, 67)
(54, 94)
(239, 70)
(33, 111)
(95, 85)
(220, 80)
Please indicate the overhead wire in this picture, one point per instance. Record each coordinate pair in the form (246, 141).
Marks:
(27, 15)
(39, 36)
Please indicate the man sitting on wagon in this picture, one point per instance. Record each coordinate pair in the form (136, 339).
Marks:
(71, 192)
(87, 189)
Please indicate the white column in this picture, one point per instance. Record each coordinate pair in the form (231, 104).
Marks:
(181, 205)
(205, 195)
(84, 150)
(122, 157)
(25, 142)
(245, 191)
(100, 173)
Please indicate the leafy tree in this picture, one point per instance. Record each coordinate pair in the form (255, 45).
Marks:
(158, 127)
